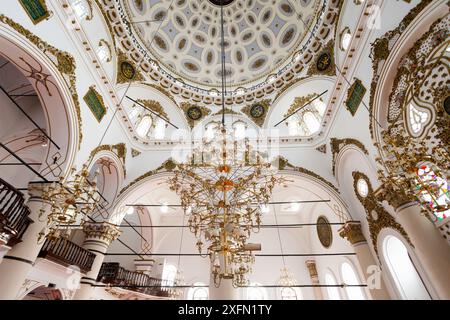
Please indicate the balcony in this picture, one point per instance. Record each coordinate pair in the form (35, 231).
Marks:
(112, 273)
(14, 215)
(67, 253)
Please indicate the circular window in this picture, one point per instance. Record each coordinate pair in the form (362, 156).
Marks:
(324, 231)
(362, 187)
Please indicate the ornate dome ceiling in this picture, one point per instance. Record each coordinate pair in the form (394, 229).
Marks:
(260, 36)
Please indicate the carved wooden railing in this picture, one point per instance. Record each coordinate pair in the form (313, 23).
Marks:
(67, 253)
(14, 214)
(112, 273)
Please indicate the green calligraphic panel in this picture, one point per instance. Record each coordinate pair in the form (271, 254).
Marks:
(36, 9)
(355, 95)
(95, 103)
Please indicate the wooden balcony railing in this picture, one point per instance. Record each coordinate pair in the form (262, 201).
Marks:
(65, 252)
(112, 273)
(14, 214)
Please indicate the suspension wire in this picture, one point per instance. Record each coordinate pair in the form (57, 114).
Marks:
(279, 237)
(224, 76)
(181, 243)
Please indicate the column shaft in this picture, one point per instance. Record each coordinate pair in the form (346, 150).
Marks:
(430, 247)
(18, 262)
(98, 238)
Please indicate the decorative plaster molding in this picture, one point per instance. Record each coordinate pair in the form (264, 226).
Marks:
(377, 217)
(337, 145)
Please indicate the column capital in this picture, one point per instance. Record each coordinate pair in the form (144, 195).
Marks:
(395, 198)
(101, 230)
(352, 231)
(311, 265)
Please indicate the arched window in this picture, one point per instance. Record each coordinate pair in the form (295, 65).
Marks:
(400, 266)
(239, 130)
(133, 114)
(346, 39)
(256, 293)
(293, 127)
(311, 122)
(417, 118)
(210, 131)
(144, 126)
(333, 292)
(169, 274)
(199, 293)
(320, 106)
(289, 293)
(160, 129)
(433, 190)
(350, 278)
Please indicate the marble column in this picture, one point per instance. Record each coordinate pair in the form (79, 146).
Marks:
(18, 262)
(430, 246)
(353, 233)
(98, 237)
(311, 265)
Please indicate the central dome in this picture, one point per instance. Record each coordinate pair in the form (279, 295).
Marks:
(260, 36)
(221, 2)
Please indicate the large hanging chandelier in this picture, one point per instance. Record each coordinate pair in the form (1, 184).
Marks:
(223, 187)
(70, 201)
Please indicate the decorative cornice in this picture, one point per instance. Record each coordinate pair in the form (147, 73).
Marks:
(62, 60)
(101, 230)
(337, 144)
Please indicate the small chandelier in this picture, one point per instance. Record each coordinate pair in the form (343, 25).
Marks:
(176, 291)
(70, 200)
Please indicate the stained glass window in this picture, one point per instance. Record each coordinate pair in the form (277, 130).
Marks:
(433, 190)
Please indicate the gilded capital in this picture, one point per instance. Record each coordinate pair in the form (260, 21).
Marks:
(101, 230)
(311, 265)
(352, 232)
(396, 198)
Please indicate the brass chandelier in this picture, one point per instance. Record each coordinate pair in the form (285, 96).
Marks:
(223, 187)
(71, 200)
